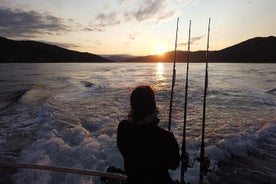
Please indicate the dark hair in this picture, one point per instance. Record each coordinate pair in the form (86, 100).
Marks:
(142, 101)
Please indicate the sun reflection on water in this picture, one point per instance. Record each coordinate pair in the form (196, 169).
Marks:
(160, 76)
(160, 69)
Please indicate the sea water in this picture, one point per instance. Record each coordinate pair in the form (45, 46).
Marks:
(66, 114)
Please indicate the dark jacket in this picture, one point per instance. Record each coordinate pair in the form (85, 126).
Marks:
(148, 151)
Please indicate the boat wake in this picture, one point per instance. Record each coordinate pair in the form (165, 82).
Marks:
(10, 97)
(272, 91)
(250, 154)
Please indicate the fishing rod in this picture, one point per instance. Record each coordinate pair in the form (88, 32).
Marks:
(204, 160)
(185, 155)
(173, 77)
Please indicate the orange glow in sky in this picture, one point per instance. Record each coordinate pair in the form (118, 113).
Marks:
(136, 27)
(159, 50)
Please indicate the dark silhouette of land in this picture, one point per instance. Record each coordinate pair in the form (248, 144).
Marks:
(32, 51)
(255, 50)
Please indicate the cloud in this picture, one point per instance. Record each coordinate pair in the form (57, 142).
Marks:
(151, 10)
(123, 1)
(17, 23)
(103, 20)
(131, 37)
(32, 24)
(108, 19)
(193, 41)
(148, 10)
(92, 29)
(97, 43)
(63, 45)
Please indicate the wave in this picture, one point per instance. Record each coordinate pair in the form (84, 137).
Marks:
(272, 91)
(242, 155)
(230, 149)
(63, 141)
(8, 98)
(241, 145)
(74, 146)
(87, 83)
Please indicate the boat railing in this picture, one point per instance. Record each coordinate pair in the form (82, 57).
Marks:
(121, 178)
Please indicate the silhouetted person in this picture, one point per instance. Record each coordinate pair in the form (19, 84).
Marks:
(148, 150)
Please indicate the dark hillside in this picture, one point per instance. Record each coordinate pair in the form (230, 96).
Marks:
(259, 49)
(32, 51)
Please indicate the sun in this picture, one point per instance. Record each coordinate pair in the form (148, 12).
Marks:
(159, 50)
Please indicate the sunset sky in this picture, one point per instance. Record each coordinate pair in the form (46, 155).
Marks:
(136, 27)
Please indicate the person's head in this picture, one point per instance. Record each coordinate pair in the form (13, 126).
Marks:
(142, 101)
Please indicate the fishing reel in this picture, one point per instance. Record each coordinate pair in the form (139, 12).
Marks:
(204, 165)
(185, 161)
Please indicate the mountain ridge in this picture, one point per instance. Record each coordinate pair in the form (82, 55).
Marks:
(33, 51)
(254, 50)
(258, 49)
